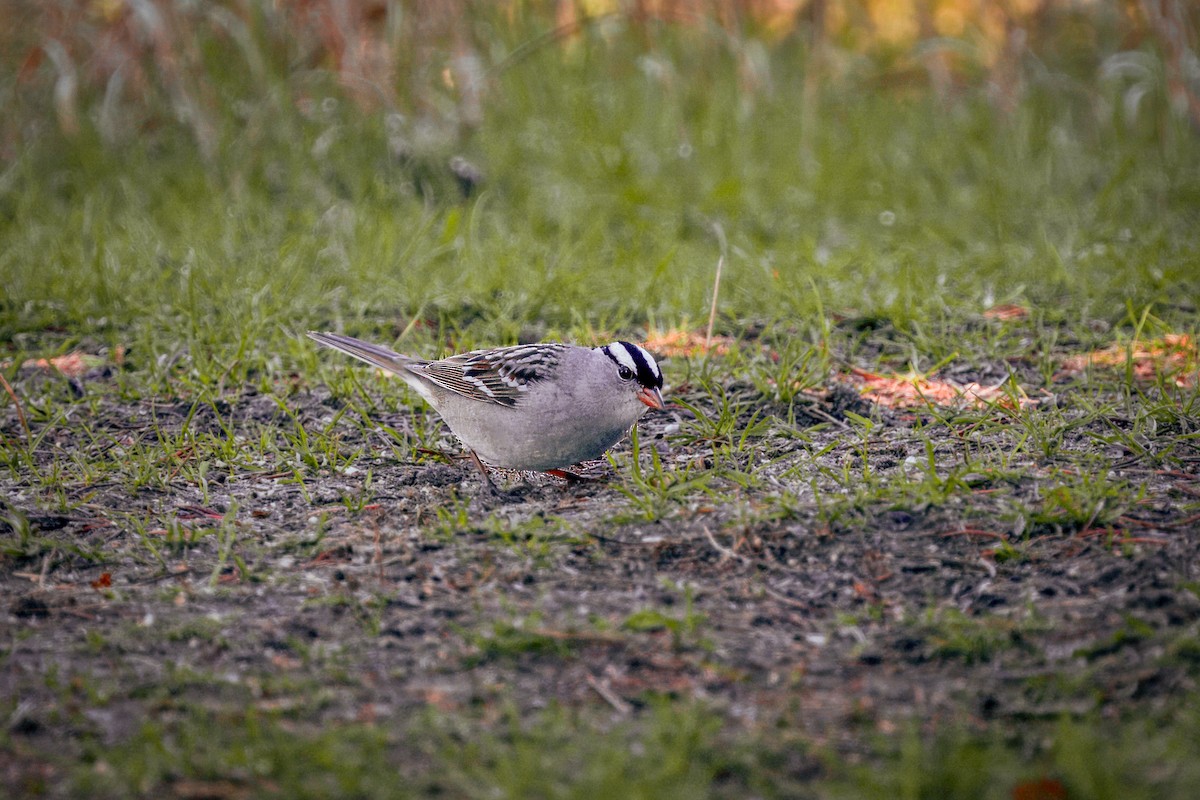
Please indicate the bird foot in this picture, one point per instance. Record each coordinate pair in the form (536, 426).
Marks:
(570, 477)
(565, 474)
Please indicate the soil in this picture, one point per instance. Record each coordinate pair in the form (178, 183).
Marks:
(789, 601)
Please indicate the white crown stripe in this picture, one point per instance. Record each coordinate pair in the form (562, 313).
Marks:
(622, 356)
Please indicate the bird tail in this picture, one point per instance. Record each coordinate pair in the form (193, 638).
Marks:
(373, 354)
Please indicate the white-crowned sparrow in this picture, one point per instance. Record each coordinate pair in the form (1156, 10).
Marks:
(534, 406)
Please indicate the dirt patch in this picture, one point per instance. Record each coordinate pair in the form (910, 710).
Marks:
(846, 581)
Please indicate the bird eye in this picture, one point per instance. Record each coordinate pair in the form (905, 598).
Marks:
(625, 372)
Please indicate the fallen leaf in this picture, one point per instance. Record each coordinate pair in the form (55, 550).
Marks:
(1041, 789)
(678, 342)
(915, 391)
(190, 789)
(1008, 312)
(439, 699)
(1173, 356)
(31, 62)
(286, 662)
(103, 582)
(72, 364)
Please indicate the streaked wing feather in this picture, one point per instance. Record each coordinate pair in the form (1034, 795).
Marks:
(497, 376)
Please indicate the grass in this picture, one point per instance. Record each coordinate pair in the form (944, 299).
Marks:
(987, 213)
(247, 480)
(673, 752)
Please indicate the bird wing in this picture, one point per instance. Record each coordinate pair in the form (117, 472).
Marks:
(499, 376)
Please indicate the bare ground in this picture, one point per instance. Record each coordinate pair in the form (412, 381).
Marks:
(780, 602)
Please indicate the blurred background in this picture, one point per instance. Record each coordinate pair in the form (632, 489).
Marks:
(125, 70)
(562, 166)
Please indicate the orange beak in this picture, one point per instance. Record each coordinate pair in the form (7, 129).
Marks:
(651, 397)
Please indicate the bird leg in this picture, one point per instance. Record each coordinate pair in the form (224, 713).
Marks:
(483, 470)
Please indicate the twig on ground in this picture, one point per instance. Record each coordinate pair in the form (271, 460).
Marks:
(609, 696)
(712, 311)
(720, 548)
(816, 412)
(785, 599)
(20, 411)
(583, 637)
(378, 548)
(975, 532)
(181, 573)
(41, 581)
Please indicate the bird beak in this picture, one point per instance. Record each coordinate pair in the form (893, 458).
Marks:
(651, 397)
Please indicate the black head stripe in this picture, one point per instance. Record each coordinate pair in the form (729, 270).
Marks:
(648, 374)
(637, 361)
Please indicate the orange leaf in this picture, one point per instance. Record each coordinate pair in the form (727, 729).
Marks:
(29, 65)
(914, 391)
(285, 662)
(1173, 356)
(1007, 312)
(1041, 789)
(72, 364)
(677, 342)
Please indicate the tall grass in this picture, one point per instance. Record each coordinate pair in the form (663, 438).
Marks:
(610, 151)
(229, 74)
